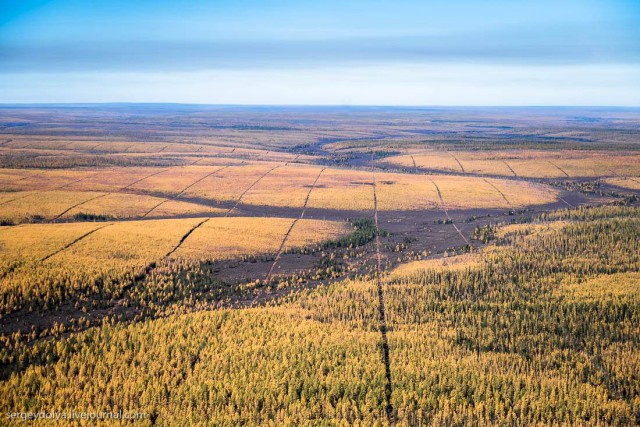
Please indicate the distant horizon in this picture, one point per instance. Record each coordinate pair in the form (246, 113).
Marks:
(190, 104)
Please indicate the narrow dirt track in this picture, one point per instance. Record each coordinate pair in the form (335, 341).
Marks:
(63, 146)
(565, 202)
(499, 191)
(382, 318)
(295, 221)
(444, 208)
(154, 208)
(182, 191)
(249, 189)
(459, 164)
(512, 171)
(76, 181)
(142, 179)
(78, 204)
(68, 245)
(152, 266)
(154, 174)
(200, 224)
(51, 189)
(630, 178)
(559, 168)
(185, 236)
(93, 148)
(201, 179)
(446, 212)
(115, 192)
(16, 198)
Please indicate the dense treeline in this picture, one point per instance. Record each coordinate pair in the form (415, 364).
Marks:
(38, 287)
(584, 213)
(230, 367)
(28, 284)
(507, 341)
(135, 289)
(179, 286)
(542, 330)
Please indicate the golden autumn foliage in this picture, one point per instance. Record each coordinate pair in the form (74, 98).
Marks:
(46, 264)
(540, 329)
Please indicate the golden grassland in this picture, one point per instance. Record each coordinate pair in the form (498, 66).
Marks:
(13, 180)
(132, 192)
(486, 167)
(224, 238)
(400, 192)
(600, 164)
(174, 180)
(435, 160)
(536, 168)
(629, 183)
(171, 180)
(150, 239)
(343, 189)
(137, 242)
(394, 191)
(240, 145)
(177, 208)
(470, 192)
(284, 187)
(454, 263)
(309, 231)
(530, 229)
(460, 192)
(67, 144)
(62, 205)
(352, 190)
(122, 205)
(525, 163)
(98, 179)
(229, 184)
(44, 204)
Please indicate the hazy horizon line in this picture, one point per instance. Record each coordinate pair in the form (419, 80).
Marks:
(143, 103)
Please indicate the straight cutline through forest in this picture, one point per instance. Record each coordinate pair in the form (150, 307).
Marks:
(382, 318)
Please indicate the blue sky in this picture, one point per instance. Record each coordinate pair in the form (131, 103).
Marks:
(456, 52)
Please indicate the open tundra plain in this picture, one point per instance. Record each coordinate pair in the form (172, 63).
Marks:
(322, 266)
